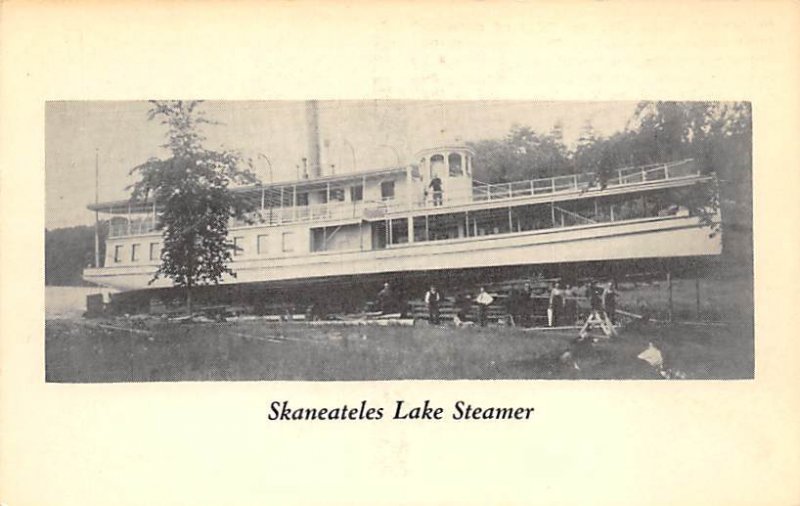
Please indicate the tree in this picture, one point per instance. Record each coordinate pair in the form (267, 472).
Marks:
(192, 190)
(717, 135)
(522, 154)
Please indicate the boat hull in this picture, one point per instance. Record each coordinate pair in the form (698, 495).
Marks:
(662, 237)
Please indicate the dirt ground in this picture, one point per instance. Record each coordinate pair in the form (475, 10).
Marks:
(104, 351)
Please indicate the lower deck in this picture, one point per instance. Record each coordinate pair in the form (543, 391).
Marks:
(679, 235)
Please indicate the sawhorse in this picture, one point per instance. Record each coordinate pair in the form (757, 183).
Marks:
(596, 319)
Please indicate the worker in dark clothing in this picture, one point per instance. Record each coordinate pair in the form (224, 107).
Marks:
(525, 302)
(436, 187)
(570, 305)
(432, 298)
(610, 302)
(594, 295)
(386, 299)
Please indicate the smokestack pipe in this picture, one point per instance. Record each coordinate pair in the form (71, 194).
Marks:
(312, 132)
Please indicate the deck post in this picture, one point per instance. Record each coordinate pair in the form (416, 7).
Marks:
(262, 198)
(294, 202)
(697, 293)
(427, 234)
(510, 221)
(411, 228)
(466, 223)
(553, 213)
(280, 216)
(96, 239)
(669, 288)
(532, 190)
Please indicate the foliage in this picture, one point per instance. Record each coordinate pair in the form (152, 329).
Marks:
(522, 154)
(192, 191)
(717, 135)
(68, 251)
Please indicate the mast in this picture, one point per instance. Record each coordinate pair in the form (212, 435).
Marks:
(96, 211)
(312, 131)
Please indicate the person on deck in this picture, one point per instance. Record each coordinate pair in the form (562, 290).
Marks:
(556, 307)
(484, 300)
(432, 298)
(436, 186)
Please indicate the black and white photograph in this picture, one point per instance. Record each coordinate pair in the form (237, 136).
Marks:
(318, 240)
(384, 253)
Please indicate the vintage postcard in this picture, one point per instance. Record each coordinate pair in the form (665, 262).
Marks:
(339, 253)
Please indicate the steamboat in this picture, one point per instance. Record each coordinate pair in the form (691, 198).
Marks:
(334, 236)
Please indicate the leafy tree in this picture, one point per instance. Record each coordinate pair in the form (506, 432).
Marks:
(717, 135)
(522, 154)
(192, 190)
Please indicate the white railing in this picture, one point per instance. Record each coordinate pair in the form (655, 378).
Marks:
(583, 182)
(480, 192)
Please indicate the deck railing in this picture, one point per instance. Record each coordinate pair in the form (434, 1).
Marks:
(582, 182)
(480, 192)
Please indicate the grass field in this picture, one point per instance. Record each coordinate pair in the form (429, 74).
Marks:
(78, 351)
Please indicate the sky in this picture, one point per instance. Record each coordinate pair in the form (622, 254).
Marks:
(354, 136)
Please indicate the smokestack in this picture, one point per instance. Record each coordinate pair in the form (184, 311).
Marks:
(312, 131)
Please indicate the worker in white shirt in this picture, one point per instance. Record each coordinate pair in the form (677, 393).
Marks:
(484, 300)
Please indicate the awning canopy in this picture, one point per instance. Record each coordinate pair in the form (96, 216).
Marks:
(272, 192)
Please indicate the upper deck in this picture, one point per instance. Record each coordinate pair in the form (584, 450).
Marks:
(375, 195)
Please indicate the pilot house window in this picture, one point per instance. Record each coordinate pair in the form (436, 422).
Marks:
(454, 162)
(437, 165)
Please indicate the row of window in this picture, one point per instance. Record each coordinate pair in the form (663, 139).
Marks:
(263, 247)
(240, 247)
(329, 195)
(136, 254)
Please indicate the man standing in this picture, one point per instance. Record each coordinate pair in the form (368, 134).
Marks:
(525, 305)
(385, 299)
(436, 186)
(610, 302)
(556, 305)
(432, 299)
(484, 300)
